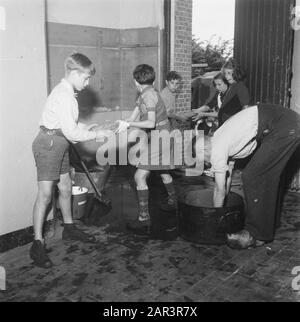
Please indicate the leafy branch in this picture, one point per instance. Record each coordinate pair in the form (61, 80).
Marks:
(214, 52)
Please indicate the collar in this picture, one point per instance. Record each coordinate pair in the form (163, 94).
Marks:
(222, 95)
(168, 89)
(68, 86)
(146, 89)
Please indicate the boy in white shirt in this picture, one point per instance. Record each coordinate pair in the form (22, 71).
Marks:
(58, 126)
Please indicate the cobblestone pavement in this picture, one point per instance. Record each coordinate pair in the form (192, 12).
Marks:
(124, 267)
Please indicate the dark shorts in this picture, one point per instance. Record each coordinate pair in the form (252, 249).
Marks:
(51, 154)
(154, 158)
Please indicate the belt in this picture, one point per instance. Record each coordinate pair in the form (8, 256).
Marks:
(57, 132)
(164, 122)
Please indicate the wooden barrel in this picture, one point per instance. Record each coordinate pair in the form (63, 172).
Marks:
(200, 222)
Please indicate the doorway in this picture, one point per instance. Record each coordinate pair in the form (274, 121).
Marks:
(212, 44)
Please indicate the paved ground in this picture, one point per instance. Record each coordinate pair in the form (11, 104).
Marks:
(123, 267)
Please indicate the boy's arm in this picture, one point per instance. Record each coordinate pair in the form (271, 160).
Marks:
(147, 124)
(150, 101)
(134, 115)
(177, 116)
(200, 115)
(203, 108)
(69, 126)
(86, 126)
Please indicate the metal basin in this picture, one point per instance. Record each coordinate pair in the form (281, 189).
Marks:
(202, 223)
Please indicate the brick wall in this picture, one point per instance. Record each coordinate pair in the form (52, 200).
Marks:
(183, 50)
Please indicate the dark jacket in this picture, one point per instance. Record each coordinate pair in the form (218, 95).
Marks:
(233, 102)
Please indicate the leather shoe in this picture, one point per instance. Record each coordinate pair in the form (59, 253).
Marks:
(169, 205)
(141, 228)
(71, 232)
(243, 240)
(39, 255)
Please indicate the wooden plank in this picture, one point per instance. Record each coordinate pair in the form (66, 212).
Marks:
(139, 37)
(111, 77)
(111, 37)
(73, 35)
(130, 58)
(115, 54)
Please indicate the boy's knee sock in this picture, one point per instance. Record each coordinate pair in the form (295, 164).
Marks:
(171, 193)
(143, 196)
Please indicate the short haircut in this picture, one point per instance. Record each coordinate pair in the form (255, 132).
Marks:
(80, 63)
(222, 77)
(144, 74)
(172, 75)
(238, 73)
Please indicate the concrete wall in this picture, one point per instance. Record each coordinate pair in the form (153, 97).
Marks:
(116, 14)
(23, 93)
(23, 80)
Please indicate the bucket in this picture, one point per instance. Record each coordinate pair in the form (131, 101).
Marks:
(202, 223)
(81, 180)
(79, 199)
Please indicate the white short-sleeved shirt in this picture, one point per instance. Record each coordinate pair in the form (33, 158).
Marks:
(234, 139)
(61, 112)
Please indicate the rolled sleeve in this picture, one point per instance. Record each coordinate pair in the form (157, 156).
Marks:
(68, 120)
(150, 100)
(219, 155)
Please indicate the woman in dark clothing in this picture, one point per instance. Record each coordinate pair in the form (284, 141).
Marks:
(211, 110)
(233, 100)
(237, 97)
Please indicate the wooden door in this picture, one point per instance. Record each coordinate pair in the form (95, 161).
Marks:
(263, 46)
(63, 40)
(115, 54)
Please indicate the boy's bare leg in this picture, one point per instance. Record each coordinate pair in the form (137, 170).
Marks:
(41, 204)
(141, 178)
(65, 195)
(37, 251)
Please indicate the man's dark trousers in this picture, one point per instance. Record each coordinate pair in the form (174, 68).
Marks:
(278, 137)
